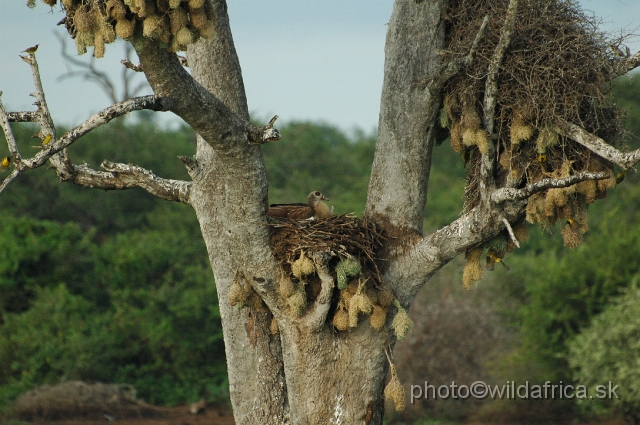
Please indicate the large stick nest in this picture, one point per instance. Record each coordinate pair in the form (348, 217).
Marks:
(344, 235)
(558, 67)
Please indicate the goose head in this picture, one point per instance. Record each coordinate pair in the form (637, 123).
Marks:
(314, 198)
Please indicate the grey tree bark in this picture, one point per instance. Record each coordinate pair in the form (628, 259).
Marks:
(308, 374)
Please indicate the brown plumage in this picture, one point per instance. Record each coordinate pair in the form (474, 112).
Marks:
(299, 211)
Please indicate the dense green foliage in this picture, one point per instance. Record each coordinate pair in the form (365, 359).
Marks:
(609, 350)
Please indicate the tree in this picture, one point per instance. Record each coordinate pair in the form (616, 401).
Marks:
(520, 88)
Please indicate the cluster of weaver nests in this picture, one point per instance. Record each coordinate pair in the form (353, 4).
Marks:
(352, 245)
(558, 68)
(174, 23)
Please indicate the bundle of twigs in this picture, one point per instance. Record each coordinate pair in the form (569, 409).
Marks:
(344, 235)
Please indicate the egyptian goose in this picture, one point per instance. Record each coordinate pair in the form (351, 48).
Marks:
(299, 211)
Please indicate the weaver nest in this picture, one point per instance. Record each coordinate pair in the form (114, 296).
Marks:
(174, 23)
(557, 68)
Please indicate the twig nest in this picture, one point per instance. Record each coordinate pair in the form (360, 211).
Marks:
(456, 136)
(184, 37)
(394, 390)
(196, 4)
(401, 324)
(178, 19)
(302, 266)
(286, 287)
(125, 29)
(547, 138)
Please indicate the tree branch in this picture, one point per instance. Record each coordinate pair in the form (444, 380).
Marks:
(11, 140)
(126, 176)
(510, 230)
(491, 85)
(416, 265)
(119, 176)
(317, 315)
(450, 69)
(509, 194)
(487, 182)
(627, 64)
(23, 116)
(625, 160)
(96, 120)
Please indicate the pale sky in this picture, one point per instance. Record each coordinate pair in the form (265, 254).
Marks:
(319, 61)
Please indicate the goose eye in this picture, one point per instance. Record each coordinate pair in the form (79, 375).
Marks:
(317, 193)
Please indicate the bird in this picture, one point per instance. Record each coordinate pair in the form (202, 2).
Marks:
(299, 211)
(6, 161)
(542, 158)
(573, 223)
(493, 257)
(46, 139)
(31, 50)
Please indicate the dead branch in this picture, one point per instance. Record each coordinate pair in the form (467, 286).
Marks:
(128, 64)
(453, 67)
(491, 85)
(265, 134)
(509, 194)
(126, 176)
(510, 230)
(118, 176)
(489, 105)
(628, 64)
(24, 116)
(11, 140)
(625, 160)
(103, 117)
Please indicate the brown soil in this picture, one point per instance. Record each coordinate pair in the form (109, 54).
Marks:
(212, 415)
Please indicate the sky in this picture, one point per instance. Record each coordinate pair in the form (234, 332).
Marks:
(320, 61)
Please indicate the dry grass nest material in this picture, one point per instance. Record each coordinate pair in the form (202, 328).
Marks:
(344, 235)
(173, 23)
(557, 68)
(352, 244)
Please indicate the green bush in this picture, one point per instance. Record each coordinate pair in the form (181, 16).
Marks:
(609, 350)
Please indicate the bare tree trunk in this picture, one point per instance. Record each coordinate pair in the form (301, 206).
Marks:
(223, 207)
(335, 378)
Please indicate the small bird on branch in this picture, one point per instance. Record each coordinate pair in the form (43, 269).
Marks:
(31, 50)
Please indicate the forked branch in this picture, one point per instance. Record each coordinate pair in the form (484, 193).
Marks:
(117, 176)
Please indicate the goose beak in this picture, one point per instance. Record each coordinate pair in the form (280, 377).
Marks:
(324, 198)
